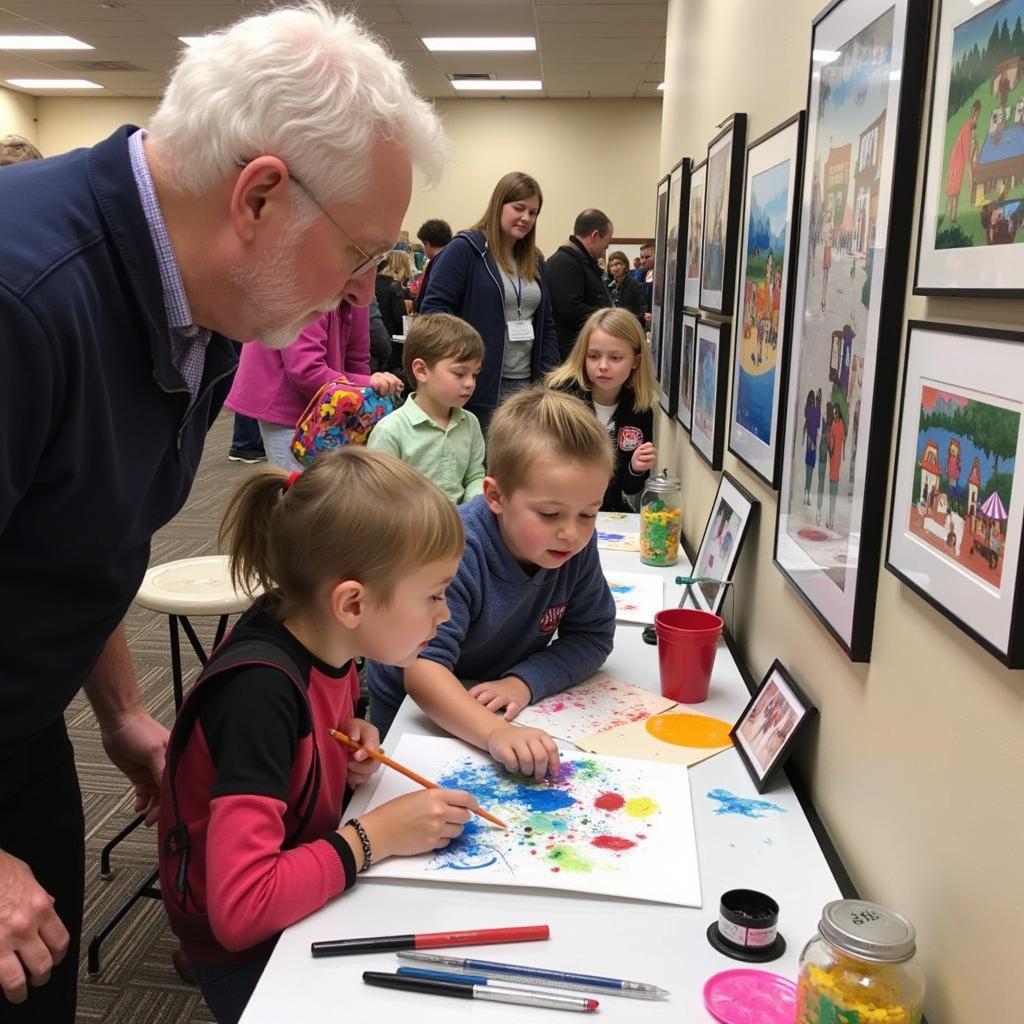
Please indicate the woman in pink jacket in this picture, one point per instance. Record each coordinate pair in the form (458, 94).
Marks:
(274, 386)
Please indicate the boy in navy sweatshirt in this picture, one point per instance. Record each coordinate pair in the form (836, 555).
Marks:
(530, 568)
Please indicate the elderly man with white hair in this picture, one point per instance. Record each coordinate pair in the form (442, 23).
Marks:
(274, 175)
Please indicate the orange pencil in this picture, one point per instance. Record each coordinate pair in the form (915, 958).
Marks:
(407, 772)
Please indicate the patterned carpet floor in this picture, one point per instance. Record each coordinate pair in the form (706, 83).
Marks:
(137, 982)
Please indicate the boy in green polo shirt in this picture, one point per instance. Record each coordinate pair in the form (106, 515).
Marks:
(432, 431)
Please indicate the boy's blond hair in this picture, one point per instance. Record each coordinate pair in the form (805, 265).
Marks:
(436, 336)
(623, 325)
(538, 424)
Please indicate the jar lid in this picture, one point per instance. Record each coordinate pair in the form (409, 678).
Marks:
(663, 483)
(867, 931)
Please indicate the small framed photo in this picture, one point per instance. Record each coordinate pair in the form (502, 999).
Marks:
(710, 383)
(957, 512)
(667, 370)
(722, 196)
(766, 731)
(687, 348)
(694, 235)
(719, 550)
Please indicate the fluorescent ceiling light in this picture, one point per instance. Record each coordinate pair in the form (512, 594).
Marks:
(191, 40)
(479, 43)
(661, 86)
(497, 84)
(53, 83)
(42, 43)
(825, 56)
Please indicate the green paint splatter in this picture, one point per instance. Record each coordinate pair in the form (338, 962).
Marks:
(569, 859)
(539, 821)
(587, 770)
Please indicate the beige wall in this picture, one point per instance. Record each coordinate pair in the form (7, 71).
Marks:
(600, 153)
(18, 114)
(918, 762)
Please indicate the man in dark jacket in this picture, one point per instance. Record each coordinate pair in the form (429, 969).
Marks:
(124, 271)
(435, 234)
(575, 279)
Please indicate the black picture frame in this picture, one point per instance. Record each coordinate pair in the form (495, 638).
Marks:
(687, 347)
(959, 546)
(694, 236)
(766, 731)
(864, 98)
(722, 202)
(729, 519)
(980, 268)
(658, 285)
(710, 387)
(672, 313)
(757, 417)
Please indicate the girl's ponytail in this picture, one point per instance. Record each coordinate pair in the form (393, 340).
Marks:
(246, 528)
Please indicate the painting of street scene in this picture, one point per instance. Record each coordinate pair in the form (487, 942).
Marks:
(849, 124)
(982, 179)
(963, 480)
(764, 262)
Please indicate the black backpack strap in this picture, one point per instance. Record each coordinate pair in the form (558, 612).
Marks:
(227, 658)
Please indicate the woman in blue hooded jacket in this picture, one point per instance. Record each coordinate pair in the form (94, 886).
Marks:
(493, 277)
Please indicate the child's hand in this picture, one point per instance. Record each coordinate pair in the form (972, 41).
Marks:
(360, 765)
(428, 819)
(525, 750)
(510, 693)
(386, 383)
(643, 458)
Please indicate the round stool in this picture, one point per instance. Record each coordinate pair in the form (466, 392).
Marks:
(188, 586)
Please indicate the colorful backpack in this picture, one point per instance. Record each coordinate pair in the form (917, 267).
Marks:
(340, 413)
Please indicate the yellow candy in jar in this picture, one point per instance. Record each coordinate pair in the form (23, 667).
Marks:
(661, 517)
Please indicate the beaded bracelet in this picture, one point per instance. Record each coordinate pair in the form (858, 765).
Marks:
(364, 839)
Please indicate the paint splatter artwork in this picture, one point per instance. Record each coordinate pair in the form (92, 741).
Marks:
(608, 826)
(678, 737)
(638, 596)
(611, 540)
(745, 807)
(598, 703)
(618, 531)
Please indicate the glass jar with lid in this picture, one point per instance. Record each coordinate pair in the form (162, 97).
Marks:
(860, 968)
(661, 516)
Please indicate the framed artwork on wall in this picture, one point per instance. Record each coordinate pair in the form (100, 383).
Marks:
(658, 285)
(687, 348)
(730, 515)
(956, 516)
(863, 118)
(672, 309)
(694, 236)
(723, 194)
(766, 731)
(766, 270)
(710, 380)
(971, 238)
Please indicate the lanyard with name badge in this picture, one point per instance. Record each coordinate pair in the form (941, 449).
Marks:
(519, 329)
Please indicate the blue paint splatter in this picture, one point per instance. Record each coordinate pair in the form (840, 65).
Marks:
(610, 538)
(621, 588)
(745, 807)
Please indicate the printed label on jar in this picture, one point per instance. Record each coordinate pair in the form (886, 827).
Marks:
(750, 937)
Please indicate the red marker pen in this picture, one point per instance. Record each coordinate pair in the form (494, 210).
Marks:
(430, 940)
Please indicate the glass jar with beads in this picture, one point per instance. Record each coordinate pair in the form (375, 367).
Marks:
(661, 516)
(860, 968)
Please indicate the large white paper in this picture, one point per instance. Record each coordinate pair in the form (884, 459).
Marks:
(638, 595)
(596, 704)
(608, 825)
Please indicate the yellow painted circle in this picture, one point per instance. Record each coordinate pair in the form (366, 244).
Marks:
(689, 730)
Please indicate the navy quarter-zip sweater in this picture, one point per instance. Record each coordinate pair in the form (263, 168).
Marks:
(503, 620)
(98, 439)
(465, 280)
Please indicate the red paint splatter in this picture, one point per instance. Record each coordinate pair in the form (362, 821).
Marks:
(555, 871)
(610, 802)
(612, 843)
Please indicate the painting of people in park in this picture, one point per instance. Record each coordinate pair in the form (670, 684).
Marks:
(767, 231)
(963, 479)
(980, 191)
(836, 294)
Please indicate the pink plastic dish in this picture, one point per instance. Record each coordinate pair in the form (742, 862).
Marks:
(746, 996)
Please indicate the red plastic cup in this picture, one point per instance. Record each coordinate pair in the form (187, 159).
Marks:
(687, 643)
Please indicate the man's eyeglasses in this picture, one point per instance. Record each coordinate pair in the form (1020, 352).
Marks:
(368, 262)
